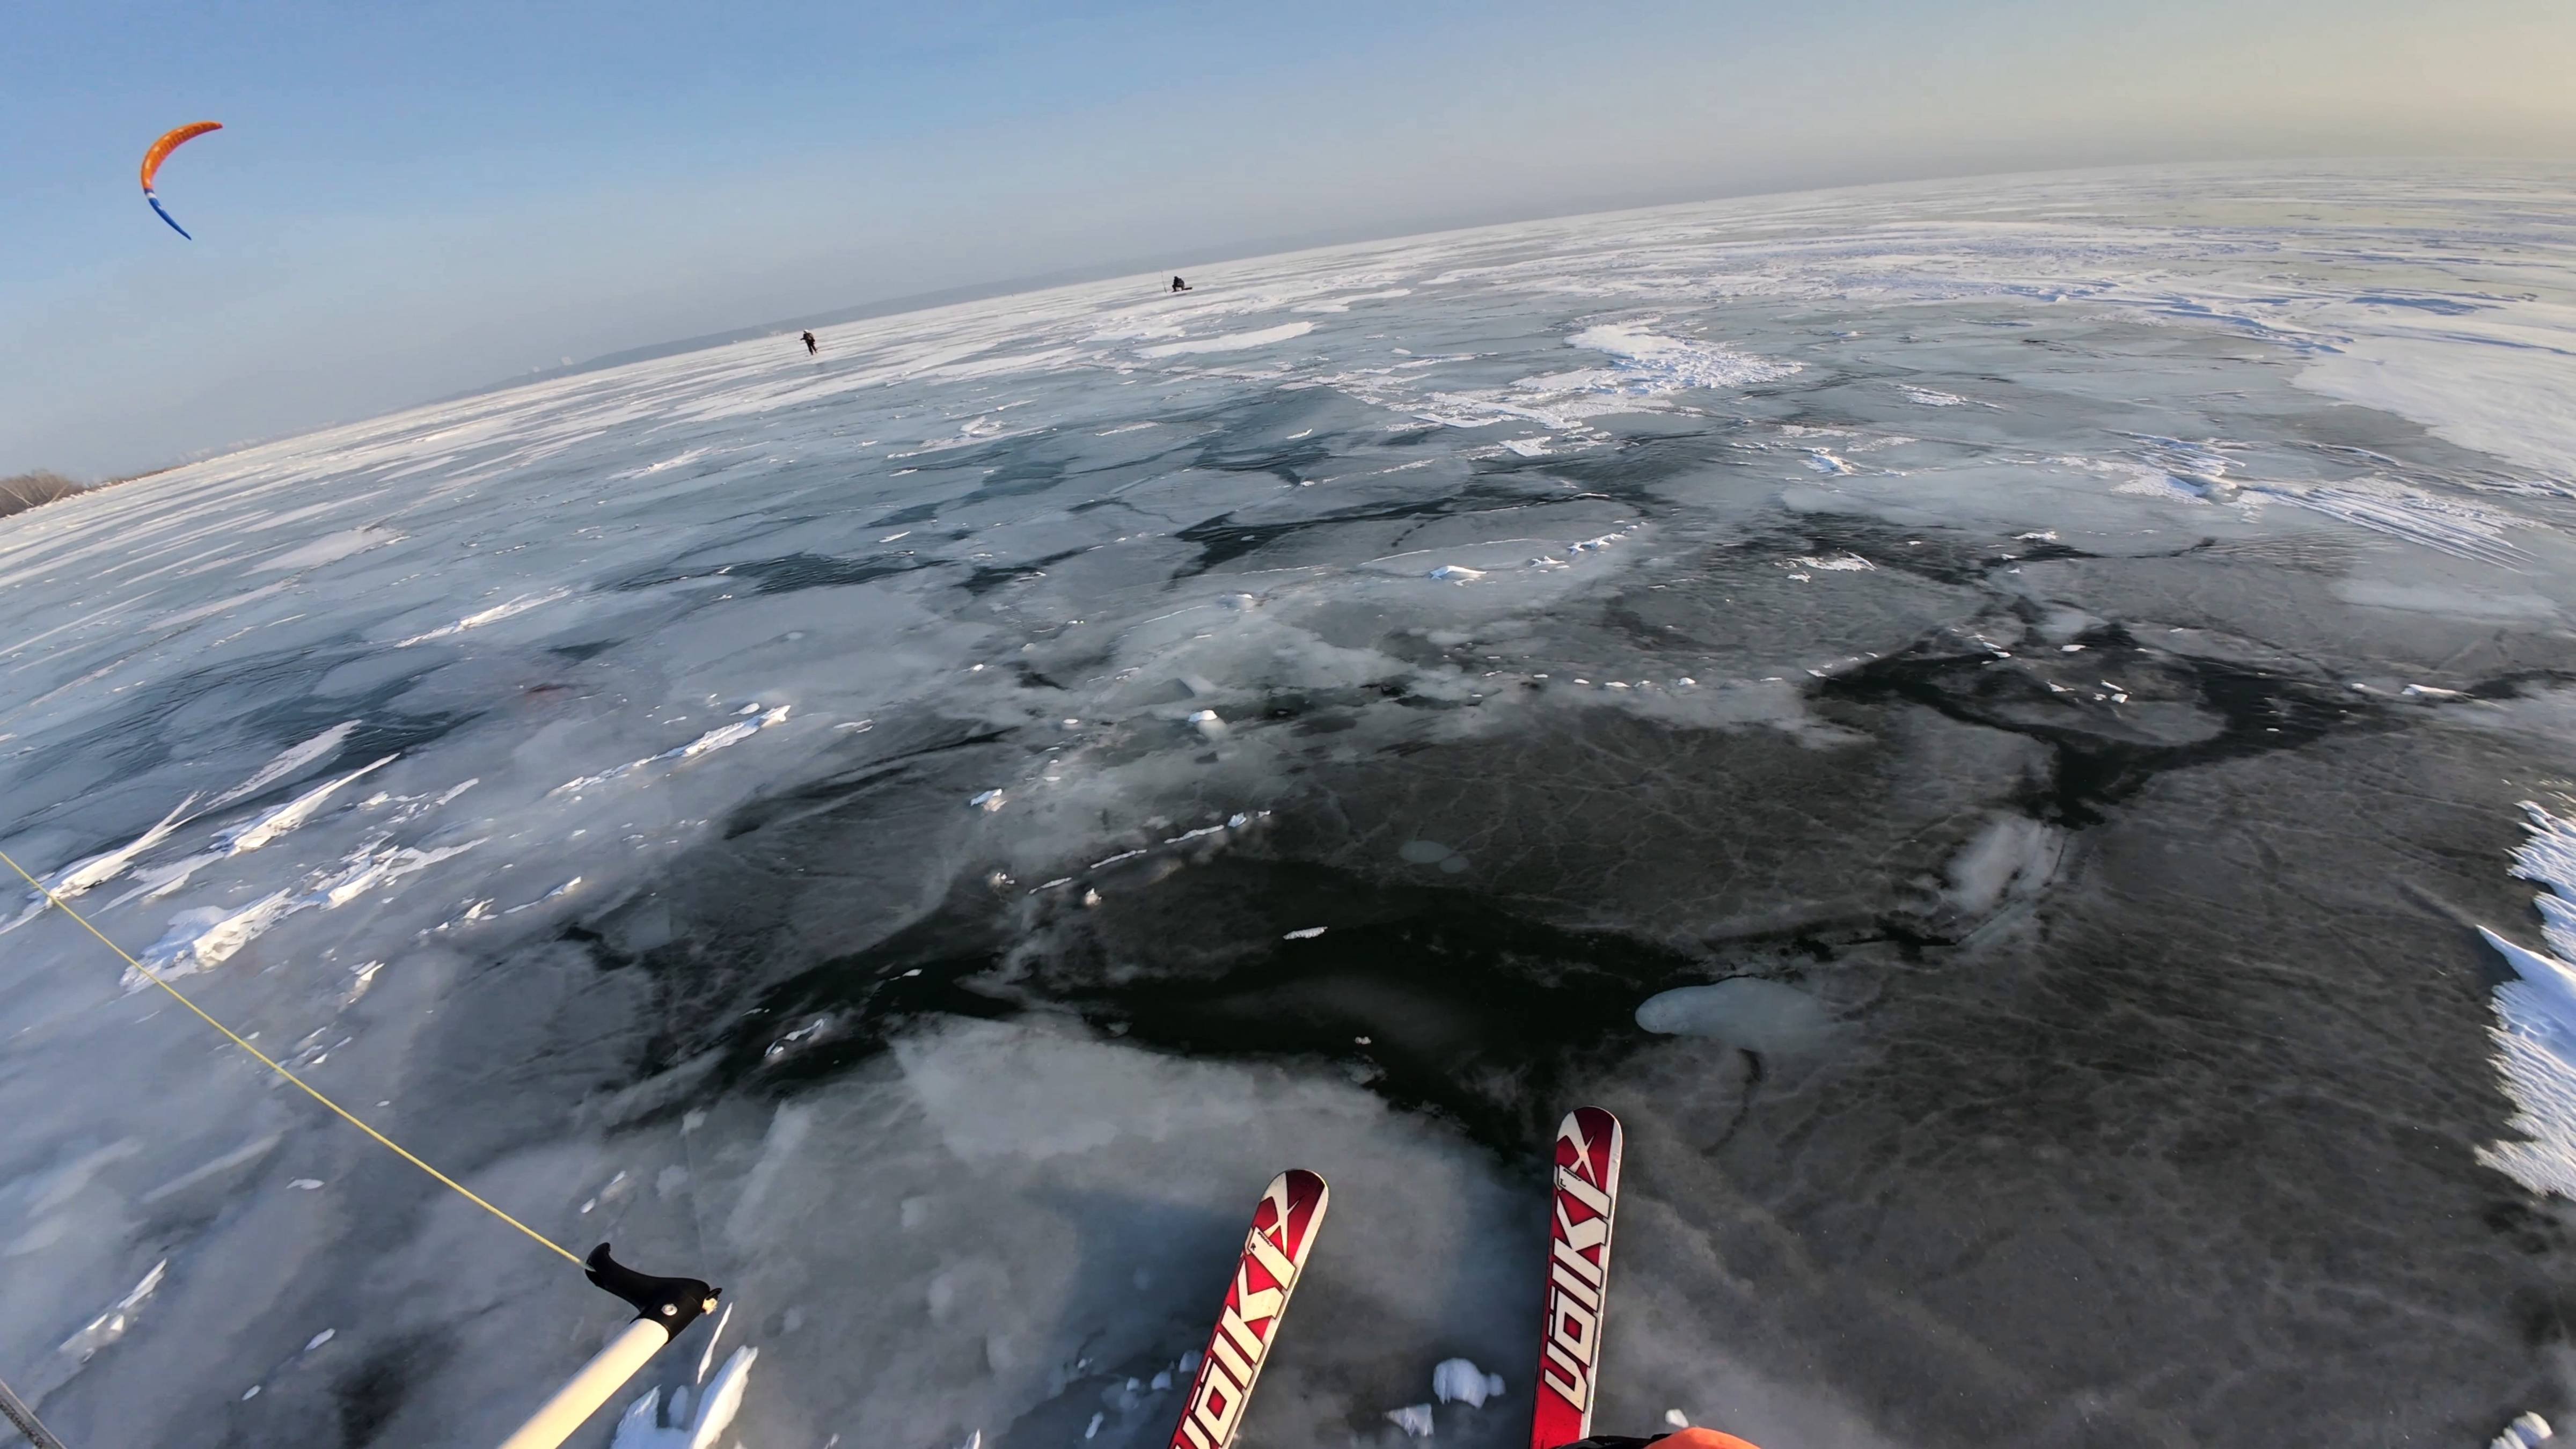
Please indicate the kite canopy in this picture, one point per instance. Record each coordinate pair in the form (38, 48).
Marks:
(160, 152)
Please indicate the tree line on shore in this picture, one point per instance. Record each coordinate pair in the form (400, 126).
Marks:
(37, 487)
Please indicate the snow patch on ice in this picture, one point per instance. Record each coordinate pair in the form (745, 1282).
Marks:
(1229, 342)
(1649, 363)
(287, 763)
(295, 812)
(676, 461)
(112, 1325)
(1343, 303)
(2459, 529)
(1841, 563)
(2013, 856)
(2497, 385)
(722, 737)
(206, 937)
(1746, 1012)
(98, 870)
(329, 548)
(81, 877)
(492, 615)
(2535, 1031)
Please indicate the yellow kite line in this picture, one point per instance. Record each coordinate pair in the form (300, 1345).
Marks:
(264, 1060)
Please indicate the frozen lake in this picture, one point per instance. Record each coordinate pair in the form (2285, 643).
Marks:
(1982, 719)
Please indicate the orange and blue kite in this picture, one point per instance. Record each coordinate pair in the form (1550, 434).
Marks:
(159, 153)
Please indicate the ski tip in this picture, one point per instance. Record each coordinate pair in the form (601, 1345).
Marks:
(1590, 1118)
(1273, 1259)
(1302, 1187)
(1290, 1211)
(1593, 1133)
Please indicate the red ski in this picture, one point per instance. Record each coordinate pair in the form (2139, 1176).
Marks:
(1274, 1254)
(1587, 1200)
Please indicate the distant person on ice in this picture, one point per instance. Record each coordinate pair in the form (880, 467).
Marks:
(1179, 286)
(810, 347)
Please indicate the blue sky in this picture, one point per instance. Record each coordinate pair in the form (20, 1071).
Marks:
(411, 200)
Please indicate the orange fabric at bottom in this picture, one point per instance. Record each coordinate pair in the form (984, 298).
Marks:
(1702, 1439)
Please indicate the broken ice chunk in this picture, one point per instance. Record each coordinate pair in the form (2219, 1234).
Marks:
(110, 1326)
(1308, 934)
(639, 1428)
(1459, 1381)
(2525, 1432)
(988, 801)
(1413, 1419)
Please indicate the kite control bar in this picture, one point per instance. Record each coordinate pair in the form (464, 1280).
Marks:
(15, 1410)
(663, 1307)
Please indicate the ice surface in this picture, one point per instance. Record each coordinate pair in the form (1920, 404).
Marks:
(2044, 665)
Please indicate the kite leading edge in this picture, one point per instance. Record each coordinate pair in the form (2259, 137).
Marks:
(160, 152)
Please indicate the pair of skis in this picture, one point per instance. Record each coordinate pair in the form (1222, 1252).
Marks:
(1586, 1200)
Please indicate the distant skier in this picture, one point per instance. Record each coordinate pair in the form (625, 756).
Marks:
(811, 347)
(1179, 286)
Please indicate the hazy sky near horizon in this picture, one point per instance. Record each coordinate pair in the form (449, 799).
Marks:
(409, 201)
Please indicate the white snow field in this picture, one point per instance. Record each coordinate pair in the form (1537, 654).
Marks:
(1982, 718)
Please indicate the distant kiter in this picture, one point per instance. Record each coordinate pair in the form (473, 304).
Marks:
(810, 347)
(1179, 286)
